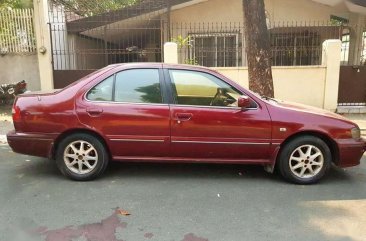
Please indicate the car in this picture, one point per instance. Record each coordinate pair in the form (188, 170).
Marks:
(155, 112)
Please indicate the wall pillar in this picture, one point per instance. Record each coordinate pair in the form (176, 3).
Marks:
(171, 53)
(332, 60)
(43, 39)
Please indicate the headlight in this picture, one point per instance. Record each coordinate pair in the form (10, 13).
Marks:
(356, 133)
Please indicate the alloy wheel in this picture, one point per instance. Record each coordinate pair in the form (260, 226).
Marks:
(306, 161)
(80, 157)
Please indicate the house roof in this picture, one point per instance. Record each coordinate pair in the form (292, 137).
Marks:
(359, 2)
(140, 8)
(355, 6)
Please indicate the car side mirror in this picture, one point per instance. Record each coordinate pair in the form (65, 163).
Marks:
(244, 102)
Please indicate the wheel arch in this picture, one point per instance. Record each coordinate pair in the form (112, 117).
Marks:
(74, 131)
(324, 137)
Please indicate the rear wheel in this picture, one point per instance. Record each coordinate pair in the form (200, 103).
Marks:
(304, 160)
(81, 157)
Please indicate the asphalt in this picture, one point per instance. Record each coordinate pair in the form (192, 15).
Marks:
(189, 202)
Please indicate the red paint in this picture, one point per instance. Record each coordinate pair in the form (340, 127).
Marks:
(102, 231)
(192, 237)
(224, 135)
(148, 235)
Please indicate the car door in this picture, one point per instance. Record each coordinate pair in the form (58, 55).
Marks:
(128, 109)
(206, 122)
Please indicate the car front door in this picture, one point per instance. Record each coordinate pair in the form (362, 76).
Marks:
(128, 109)
(207, 124)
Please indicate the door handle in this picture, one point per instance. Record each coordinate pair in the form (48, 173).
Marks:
(94, 111)
(183, 117)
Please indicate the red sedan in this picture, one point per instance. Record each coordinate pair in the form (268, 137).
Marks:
(172, 113)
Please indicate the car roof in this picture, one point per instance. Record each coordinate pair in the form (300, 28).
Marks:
(163, 65)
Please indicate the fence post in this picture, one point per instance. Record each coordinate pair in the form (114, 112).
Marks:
(43, 39)
(170, 53)
(332, 60)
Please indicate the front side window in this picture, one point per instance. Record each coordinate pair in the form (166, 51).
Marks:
(138, 86)
(198, 88)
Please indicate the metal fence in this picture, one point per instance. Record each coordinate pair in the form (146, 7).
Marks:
(223, 44)
(91, 42)
(83, 38)
(16, 31)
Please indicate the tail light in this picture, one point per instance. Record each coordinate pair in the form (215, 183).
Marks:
(16, 113)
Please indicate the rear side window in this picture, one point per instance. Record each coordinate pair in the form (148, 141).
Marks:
(132, 86)
(102, 91)
(138, 86)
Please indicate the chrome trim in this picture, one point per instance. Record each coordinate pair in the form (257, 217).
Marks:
(137, 140)
(120, 102)
(215, 107)
(224, 142)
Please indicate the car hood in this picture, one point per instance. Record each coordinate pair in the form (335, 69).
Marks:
(306, 109)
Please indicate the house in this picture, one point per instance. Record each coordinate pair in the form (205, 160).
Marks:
(208, 32)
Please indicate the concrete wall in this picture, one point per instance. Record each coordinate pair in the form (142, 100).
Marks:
(299, 84)
(277, 10)
(14, 68)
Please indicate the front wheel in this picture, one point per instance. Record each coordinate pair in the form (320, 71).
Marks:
(304, 160)
(81, 157)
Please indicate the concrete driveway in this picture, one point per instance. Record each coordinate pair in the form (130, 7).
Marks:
(190, 202)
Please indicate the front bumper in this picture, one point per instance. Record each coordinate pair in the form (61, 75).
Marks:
(350, 152)
(33, 144)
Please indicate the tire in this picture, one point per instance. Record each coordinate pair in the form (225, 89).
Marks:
(81, 157)
(296, 165)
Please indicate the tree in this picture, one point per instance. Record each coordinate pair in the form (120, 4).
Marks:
(258, 48)
(15, 4)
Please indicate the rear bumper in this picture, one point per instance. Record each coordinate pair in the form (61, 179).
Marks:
(33, 144)
(350, 152)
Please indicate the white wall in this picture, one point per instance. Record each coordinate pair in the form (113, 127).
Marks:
(14, 68)
(277, 10)
(299, 84)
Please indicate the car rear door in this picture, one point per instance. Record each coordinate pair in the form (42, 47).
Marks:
(206, 122)
(128, 109)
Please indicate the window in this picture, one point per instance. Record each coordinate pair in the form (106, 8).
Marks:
(301, 48)
(138, 86)
(215, 50)
(102, 91)
(197, 88)
(345, 47)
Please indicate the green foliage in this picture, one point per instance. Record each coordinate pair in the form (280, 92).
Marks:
(15, 4)
(182, 42)
(185, 42)
(89, 8)
(192, 61)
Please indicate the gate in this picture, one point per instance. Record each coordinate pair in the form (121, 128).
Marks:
(352, 86)
(352, 79)
(86, 35)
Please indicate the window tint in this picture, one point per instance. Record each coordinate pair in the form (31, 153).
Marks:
(197, 88)
(102, 91)
(138, 86)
